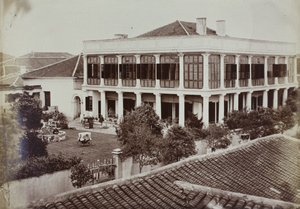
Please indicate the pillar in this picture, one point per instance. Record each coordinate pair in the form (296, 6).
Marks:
(158, 104)
(138, 80)
(101, 69)
(222, 71)
(286, 61)
(205, 70)
(236, 101)
(275, 98)
(181, 71)
(138, 99)
(205, 110)
(118, 170)
(250, 79)
(120, 105)
(265, 98)
(249, 94)
(266, 71)
(119, 73)
(295, 71)
(103, 103)
(181, 109)
(237, 62)
(157, 61)
(285, 95)
(84, 70)
(221, 108)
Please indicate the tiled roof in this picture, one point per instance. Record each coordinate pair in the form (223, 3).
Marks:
(177, 28)
(63, 68)
(264, 173)
(64, 55)
(4, 56)
(12, 79)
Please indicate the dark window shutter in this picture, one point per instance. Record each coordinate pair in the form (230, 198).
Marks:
(242, 72)
(233, 72)
(228, 72)
(102, 71)
(247, 71)
(173, 71)
(158, 71)
(87, 103)
(138, 71)
(275, 70)
(90, 68)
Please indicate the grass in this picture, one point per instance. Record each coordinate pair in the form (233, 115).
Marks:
(101, 147)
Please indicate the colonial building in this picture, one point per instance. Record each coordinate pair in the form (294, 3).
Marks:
(185, 67)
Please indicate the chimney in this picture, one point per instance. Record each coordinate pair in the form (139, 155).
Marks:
(221, 28)
(201, 26)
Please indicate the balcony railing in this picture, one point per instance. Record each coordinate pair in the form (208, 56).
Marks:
(110, 82)
(193, 84)
(229, 83)
(214, 84)
(271, 81)
(281, 80)
(147, 83)
(243, 82)
(258, 82)
(169, 83)
(128, 82)
(93, 81)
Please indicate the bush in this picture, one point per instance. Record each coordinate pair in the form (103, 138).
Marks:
(80, 175)
(38, 166)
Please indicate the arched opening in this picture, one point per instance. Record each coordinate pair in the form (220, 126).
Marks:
(77, 107)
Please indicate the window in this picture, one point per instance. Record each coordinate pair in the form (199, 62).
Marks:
(169, 69)
(279, 70)
(128, 68)
(244, 71)
(214, 71)
(110, 68)
(146, 70)
(230, 72)
(47, 99)
(93, 67)
(257, 71)
(193, 71)
(89, 103)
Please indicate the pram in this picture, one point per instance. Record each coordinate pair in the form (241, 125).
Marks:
(84, 138)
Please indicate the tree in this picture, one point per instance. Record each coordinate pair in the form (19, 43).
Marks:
(140, 134)
(177, 144)
(218, 137)
(32, 146)
(80, 175)
(285, 119)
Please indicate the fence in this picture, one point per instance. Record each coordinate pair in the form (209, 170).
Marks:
(103, 170)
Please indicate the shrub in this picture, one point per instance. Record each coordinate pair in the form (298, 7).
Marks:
(80, 175)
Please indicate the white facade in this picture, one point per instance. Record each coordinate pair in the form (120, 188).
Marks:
(171, 97)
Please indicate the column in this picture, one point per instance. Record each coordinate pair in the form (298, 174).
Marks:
(120, 105)
(221, 108)
(157, 61)
(250, 79)
(275, 99)
(119, 73)
(138, 61)
(181, 109)
(118, 170)
(181, 71)
(286, 61)
(138, 99)
(276, 78)
(103, 103)
(285, 95)
(222, 71)
(173, 111)
(84, 70)
(265, 98)
(205, 71)
(205, 110)
(237, 62)
(249, 94)
(295, 71)
(101, 69)
(158, 104)
(236, 101)
(266, 71)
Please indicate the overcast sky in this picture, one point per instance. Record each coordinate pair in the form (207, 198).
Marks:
(62, 25)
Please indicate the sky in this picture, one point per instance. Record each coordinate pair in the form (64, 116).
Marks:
(63, 25)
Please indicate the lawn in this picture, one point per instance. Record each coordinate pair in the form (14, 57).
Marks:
(101, 147)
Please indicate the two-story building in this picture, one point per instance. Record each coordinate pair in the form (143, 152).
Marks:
(184, 67)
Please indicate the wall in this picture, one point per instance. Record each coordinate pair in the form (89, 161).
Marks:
(16, 194)
(62, 92)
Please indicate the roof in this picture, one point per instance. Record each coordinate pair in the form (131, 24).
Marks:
(64, 68)
(177, 28)
(64, 55)
(260, 174)
(4, 56)
(11, 80)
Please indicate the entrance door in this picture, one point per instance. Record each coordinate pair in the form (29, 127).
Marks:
(111, 108)
(128, 105)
